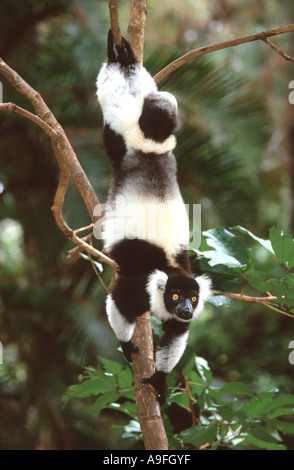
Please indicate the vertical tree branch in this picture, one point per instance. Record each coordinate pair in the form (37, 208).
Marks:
(136, 28)
(114, 23)
(148, 408)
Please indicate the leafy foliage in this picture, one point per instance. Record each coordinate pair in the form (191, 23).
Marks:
(229, 415)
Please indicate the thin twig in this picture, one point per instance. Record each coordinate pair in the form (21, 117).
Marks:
(92, 251)
(265, 301)
(247, 298)
(263, 35)
(32, 117)
(279, 51)
(96, 271)
(272, 307)
(191, 402)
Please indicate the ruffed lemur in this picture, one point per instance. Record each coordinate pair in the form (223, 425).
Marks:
(145, 227)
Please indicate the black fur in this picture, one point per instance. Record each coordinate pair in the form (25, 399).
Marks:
(120, 53)
(158, 119)
(158, 381)
(138, 256)
(114, 145)
(153, 174)
(172, 329)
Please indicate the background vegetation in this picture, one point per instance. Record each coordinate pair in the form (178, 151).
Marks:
(235, 157)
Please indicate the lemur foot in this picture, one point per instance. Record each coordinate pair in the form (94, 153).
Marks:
(158, 381)
(123, 54)
(129, 348)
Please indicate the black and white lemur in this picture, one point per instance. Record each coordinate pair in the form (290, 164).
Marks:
(145, 228)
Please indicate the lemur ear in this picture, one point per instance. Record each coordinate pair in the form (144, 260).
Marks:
(112, 52)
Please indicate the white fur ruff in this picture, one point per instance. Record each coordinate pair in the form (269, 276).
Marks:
(205, 291)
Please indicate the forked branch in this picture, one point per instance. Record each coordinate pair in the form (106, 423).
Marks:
(263, 35)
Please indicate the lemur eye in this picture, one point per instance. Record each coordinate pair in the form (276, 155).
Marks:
(194, 298)
(175, 296)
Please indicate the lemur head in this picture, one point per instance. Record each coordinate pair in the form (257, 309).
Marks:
(177, 297)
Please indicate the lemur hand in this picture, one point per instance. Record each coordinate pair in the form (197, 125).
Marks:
(129, 348)
(123, 54)
(158, 381)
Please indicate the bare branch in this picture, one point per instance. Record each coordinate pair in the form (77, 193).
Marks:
(272, 307)
(263, 35)
(114, 21)
(279, 51)
(148, 408)
(32, 117)
(247, 298)
(136, 28)
(265, 301)
(61, 145)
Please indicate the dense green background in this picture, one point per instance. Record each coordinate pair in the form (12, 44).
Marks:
(234, 157)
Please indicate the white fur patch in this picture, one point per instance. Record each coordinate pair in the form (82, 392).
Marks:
(205, 291)
(155, 288)
(166, 358)
(135, 139)
(121, 98)
(135, 216)
(121, 327)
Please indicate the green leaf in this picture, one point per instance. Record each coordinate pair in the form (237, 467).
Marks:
(133, 430)
(236, 388)
(90, 387)
(128, 408)
(284, 426)
(280, 288)
(181, 398)
(188, 360)
(203, 369)
(255, 277)
(110, 366)
(260, 438)
(283, 246)
(200, 435)
(197, 384)
(265, 243)
(102, 402)
(283, 400)
(225, 411)
(125, 379)
(262, 407)
(228, 249)
(280, 412)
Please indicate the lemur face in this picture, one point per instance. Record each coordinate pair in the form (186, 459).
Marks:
(181, 297)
